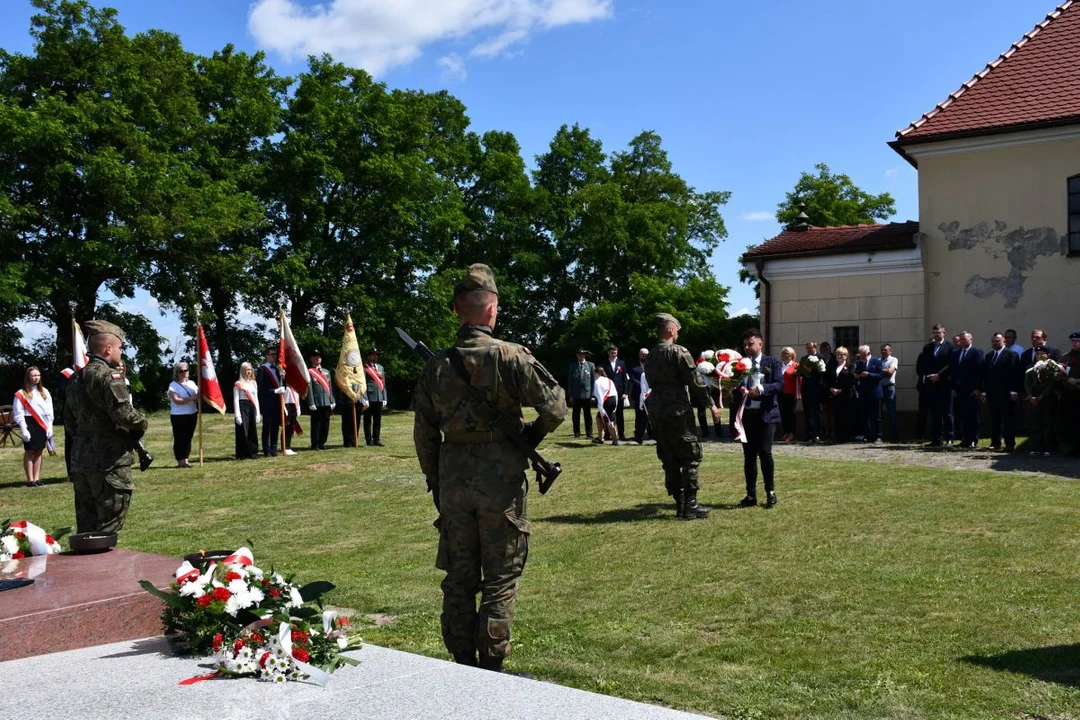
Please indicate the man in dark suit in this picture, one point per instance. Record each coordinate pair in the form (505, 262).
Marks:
(934, 365)
(755, 403)
(270, 388)
(1028, 358)
(966, 380)
(616, 370)
(868, 381)
(641, 418)
(1001, 391)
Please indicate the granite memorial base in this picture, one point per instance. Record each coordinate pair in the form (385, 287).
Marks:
(79, 601)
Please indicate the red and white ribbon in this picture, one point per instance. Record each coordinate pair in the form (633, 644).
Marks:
(242, 556)
(35, 535)
(740, 431)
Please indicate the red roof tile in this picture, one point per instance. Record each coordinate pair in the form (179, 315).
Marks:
(1036, 81)
(837, 240)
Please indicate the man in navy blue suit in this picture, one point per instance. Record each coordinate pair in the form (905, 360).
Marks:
(965, 378)
(616, 370)
(1001, 391)
(755, 402)
(868, 378)
(933, 366)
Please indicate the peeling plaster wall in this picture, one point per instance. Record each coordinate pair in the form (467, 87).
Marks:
(995, 247)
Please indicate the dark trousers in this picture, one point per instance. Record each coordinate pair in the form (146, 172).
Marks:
(373, 423)
(787, 413)
(320, 427)
(290, 425)
(619, 417)
(183, 429)
(968, 409)
(351, 416)
(843, 416)
(247, 440)
(271, 427)
(580, 404)
(815, 424)
(941, 411)
(758, 446)
(888, 404)
(1002, 420)
(924, 413)
(869, 416)
(1043, 428)
(641, 425)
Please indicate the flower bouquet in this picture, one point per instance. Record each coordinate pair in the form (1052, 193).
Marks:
(25, 539)
(254, 623)
(1048, 371)
(810, 365)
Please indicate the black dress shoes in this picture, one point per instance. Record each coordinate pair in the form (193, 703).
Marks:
(770, 500)
(748, 501)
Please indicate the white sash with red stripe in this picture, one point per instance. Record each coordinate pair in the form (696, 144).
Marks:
(21, 396)
(375, 375)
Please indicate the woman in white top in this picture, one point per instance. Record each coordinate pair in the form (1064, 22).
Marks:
(606, 400)
(32, 411)
(183, 412)
(248, 417)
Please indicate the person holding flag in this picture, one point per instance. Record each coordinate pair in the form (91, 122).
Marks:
(375, 399)
(294, 379)
(208, 382)
(320, 401)
(351, 383)
(268, 380)
(32, 411)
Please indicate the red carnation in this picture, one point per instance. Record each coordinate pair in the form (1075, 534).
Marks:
(300, 637)
(300, 654)
(256, 637)
(222, 594)
(49, 539)
(18, 555)
(263, 659)
(19, 535)
(265, 583)
(231, 575)
(274, 592)
(203, 601)
(218, 639)
(239, 645)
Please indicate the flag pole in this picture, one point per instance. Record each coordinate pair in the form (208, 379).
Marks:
(198, 396)
(355, 429)
(281, 333)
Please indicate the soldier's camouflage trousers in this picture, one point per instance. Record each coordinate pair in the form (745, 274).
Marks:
(483, 545)
(101, 499)
(679, 451)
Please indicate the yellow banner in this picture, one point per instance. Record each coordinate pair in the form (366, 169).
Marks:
(350, 368)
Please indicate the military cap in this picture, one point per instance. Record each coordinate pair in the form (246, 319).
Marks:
(316, 353)
(583, 351)
(373, 351)
(101, 327)
(664, 318)
(1075, 335)
(477, 277)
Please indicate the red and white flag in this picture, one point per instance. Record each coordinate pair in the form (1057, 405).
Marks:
(296, 372)
(209, 386)
(81, 357)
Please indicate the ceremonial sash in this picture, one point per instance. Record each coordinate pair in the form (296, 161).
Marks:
(30, 409)
(607, 393)
(317, 376)
(273, 376)
(250, 397)
(374, 374)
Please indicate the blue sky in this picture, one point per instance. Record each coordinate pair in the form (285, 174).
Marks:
(745, 95)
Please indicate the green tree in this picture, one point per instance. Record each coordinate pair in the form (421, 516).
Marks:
(832, 200)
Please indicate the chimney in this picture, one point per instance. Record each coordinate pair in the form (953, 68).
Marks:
(801, 223)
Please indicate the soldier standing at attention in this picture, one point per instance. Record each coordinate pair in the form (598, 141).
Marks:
(376, 399)
(103, 427)
(670, 373)
(477, 475)
(320, 401)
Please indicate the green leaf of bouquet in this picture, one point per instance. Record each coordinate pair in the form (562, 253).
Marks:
(315, 590)
(174, 600)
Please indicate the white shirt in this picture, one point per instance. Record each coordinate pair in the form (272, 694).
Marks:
(889, 363)
(42, 405)
(603, 388)
(646, 391)
(187, 389)
(251, 395)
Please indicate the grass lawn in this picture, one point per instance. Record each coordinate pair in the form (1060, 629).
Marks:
(870, 592)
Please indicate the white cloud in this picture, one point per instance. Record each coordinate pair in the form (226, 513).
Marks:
(742, 311)
(896, 172)
(758, 215)
(453, 67)
(380, 34)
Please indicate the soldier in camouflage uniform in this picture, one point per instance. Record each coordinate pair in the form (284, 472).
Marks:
(476, 474)
(102, 426)
(670, 373)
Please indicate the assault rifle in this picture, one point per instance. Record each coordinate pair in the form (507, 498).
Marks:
(546, 472)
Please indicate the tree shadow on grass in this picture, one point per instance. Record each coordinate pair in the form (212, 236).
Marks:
(1057, 664)
(643, 511)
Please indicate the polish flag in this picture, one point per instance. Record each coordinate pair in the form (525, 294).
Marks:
(81, 357)
(209, 386)
(296, 372)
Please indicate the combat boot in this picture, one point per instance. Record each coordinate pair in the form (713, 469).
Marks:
(466, 658)
(680, 503)
(692, 510)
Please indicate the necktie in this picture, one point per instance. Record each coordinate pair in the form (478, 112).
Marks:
(962, 354)
(994, 360)
(937, 349)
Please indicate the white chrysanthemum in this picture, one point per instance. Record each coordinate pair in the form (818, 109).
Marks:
(237, 587)
(294, 597)
(705, 368)
(708, 354)
(256, 596)
(233, 605)
(11, 545)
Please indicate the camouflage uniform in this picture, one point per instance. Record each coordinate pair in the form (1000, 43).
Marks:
(480, 478)
(670, 372)
(101, 424)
